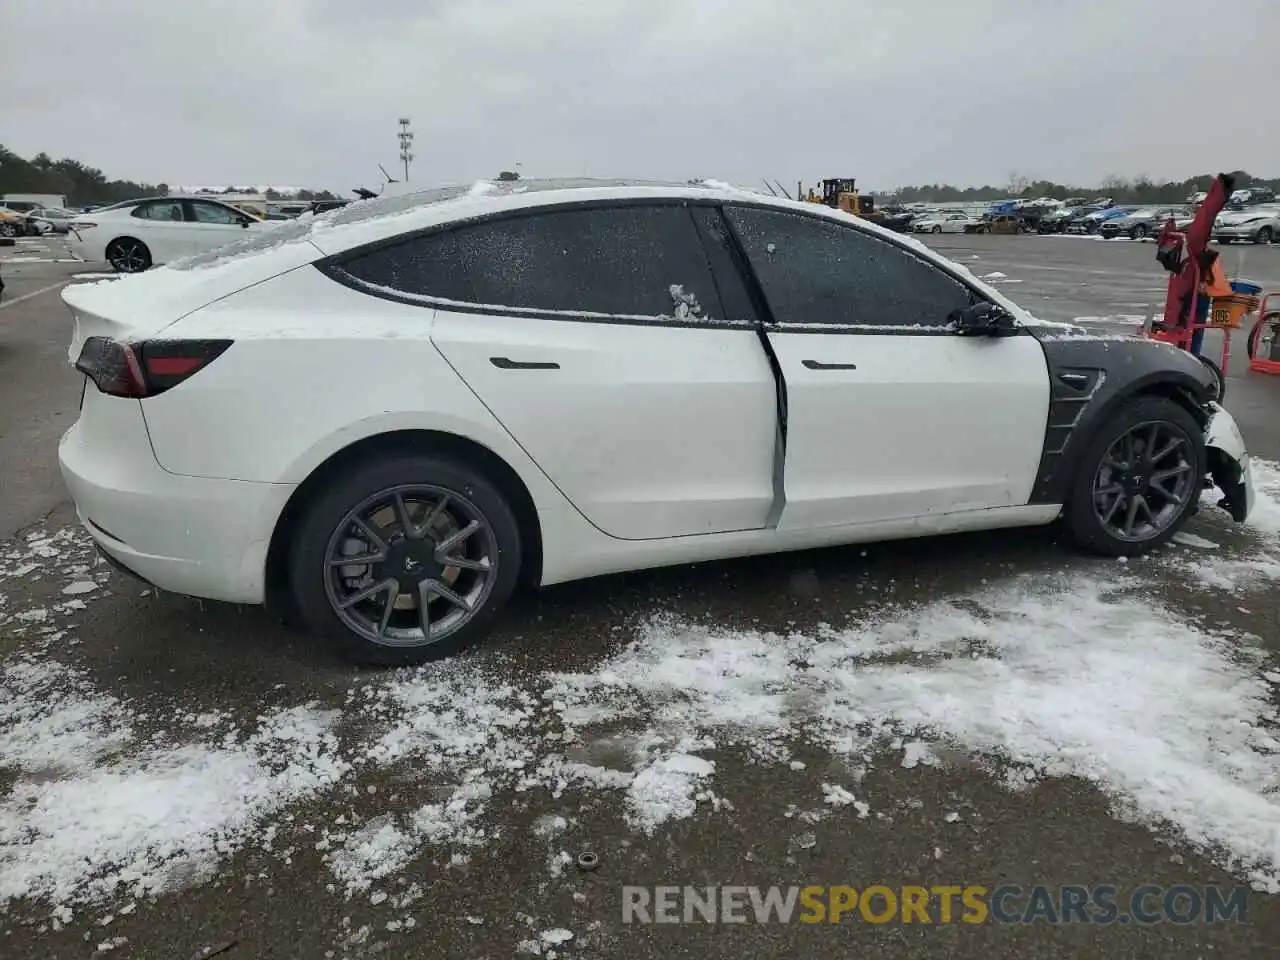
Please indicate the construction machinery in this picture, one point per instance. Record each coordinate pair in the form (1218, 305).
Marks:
(841, 193)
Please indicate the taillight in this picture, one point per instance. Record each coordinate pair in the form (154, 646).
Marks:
(147, 368)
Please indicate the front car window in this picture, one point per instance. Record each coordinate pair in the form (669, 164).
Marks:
(815, 271)
(205, 212)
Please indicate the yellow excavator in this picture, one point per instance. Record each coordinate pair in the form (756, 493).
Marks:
(841, 193)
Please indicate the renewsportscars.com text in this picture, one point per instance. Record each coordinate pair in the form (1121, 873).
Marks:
(938, 904)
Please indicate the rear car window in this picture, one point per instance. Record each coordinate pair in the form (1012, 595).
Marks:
(641, 261)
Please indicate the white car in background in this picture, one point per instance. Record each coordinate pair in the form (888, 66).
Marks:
(138, 234)
(386, 417)
(945, 223)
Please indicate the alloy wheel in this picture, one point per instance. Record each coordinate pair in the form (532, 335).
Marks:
(410, 565)
(130, 256)
(1144, 481)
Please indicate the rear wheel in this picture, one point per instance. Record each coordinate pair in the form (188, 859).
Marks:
(405, 560)
(8, 229)
(128, 255)
(1139, 480)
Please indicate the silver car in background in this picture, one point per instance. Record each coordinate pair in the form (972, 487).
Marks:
(1256, 224)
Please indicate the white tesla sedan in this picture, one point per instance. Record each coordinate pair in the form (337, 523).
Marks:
(388, 416)
(135, 235)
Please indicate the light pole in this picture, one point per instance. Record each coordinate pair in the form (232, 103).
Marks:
(406, 143)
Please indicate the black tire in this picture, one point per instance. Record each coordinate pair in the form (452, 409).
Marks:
(127, 255)
(936, 229)
(8, 229)
(322, 522)
(1264, 235)
(1218, 376)
(1271, 319)
(1086, 527)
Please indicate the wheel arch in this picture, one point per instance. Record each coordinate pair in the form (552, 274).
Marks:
(1059, 467)
(508, 480)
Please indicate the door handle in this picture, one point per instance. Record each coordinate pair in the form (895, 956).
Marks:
(503, 363)
(819, 365)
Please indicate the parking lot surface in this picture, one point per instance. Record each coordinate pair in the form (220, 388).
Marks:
(178, 776)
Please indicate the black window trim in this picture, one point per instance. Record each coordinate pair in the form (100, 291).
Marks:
(332, 266)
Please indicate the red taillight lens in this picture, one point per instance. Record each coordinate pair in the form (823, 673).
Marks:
(144, 369)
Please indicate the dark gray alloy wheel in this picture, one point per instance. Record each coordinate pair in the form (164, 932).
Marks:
(1144, 482)
(410, 566)
(404, 558)
(128, 255)
(1140, 479)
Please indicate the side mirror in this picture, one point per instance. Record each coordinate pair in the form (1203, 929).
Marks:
(983, 320)
(244, 221)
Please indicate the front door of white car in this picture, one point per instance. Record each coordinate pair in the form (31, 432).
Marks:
(211, 225)
(889, 415)
(160, 225)
(597, 337)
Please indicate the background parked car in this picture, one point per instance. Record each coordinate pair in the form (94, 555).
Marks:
(51, 219)
(946, 223)
(135, 235)
(12, 223)
(1141, 223)
(1259, 224)
(1093, 221)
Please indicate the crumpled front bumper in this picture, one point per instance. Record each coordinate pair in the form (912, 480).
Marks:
(1229, 466)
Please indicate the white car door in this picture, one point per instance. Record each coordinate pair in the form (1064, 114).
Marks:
(159, 224)
(597, 337)
(889, 415)
(954, 223)
(211, 224)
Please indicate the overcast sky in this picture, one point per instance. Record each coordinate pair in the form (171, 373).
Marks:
(308, 92)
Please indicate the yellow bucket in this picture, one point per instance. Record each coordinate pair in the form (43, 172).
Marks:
(1230, 311)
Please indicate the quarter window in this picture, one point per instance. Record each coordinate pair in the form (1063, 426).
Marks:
(815, 272)
(626, 261)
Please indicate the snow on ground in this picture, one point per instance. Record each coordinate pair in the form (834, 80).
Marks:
(1075, 674)
(1239, 574)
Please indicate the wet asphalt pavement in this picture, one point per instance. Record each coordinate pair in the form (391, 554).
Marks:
(163, 668)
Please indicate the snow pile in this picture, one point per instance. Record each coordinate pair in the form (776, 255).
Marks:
(1238, 574)
(162, 817)
(1069, 678)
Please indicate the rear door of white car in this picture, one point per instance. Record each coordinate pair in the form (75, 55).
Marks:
(211, 225)
(157, 223)
(889, 415)
(597, 336)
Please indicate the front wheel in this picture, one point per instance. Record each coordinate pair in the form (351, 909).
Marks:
(128, 255)
(1139, 479)
(405, 560)
(936, 230)
(1265, 235)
